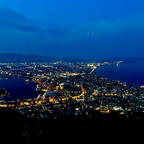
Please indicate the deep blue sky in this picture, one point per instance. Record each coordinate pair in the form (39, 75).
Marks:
(73, 28)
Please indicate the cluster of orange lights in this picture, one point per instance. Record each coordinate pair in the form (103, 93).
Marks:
(105, 111)
(39, 101)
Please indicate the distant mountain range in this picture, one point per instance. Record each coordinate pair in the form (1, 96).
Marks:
(24, 58)
(9, 57)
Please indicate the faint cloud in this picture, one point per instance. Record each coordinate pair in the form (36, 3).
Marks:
(16, 21)
(107, 27)
(21, 24)
(66, 33)
(25, 33)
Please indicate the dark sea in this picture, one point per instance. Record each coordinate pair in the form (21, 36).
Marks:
(18, 88)
(129, 72)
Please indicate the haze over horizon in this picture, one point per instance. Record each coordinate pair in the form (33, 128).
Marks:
(74, 28)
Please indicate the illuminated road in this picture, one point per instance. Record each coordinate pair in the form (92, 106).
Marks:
(94, 67)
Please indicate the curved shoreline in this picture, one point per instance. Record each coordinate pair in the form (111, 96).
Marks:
(40, 99)
(18, 88)
(131, 73)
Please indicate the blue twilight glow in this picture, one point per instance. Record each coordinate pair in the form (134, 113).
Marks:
(74, 28)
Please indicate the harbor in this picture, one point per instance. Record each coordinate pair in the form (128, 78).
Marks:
(18, 88)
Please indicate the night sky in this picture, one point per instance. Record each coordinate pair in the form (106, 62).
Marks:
(72, 28)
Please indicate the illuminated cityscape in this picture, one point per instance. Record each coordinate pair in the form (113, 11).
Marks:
(69, 96)
(65, 88)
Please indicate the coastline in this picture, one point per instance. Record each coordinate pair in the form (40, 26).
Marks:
(18, 88)
(130, 72)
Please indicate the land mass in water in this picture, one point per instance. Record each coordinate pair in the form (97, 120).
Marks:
(3, 92)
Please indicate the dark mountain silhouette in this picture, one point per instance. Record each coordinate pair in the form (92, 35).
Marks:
(16, 58)
(16, 128)
(24, 58)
